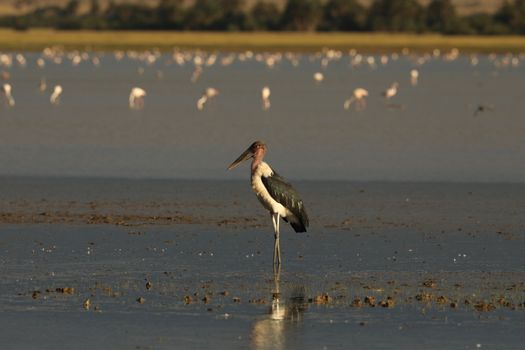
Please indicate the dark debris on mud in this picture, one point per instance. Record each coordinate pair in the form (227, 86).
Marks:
(212, 298)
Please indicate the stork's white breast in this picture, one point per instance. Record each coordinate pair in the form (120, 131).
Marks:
(264, 170)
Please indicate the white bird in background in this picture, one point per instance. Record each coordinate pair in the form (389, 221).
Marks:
(324, 62)
(211, 92)
(207, 94)
(6, 89)
(21, 60)
(196, 74)
(391, 91)
(211, 60)
(96, 61)
(318, 77)
(358, 97)
(43, 85)
(55, 96)
(414, 76)
(76, 60)
(5, 75)
(40, 62)
(136, 98)
(265, 95)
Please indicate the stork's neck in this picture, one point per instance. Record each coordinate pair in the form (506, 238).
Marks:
(257, 158)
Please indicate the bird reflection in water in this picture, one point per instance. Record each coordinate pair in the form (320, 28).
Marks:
(284, 318)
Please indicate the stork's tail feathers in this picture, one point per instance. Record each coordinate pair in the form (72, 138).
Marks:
(297, 225)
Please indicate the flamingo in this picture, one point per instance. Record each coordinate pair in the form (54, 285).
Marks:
(55, 96)
(391, 91)
(136, 98)
(414, 76)
(265, 95)
(206, 95)
(6, 89)
(358, 97)
(195, 75)
(43, 85)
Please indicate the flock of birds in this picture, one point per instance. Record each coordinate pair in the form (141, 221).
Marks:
(202, 60)
(10, 100)
(274, 192)
(136, 97)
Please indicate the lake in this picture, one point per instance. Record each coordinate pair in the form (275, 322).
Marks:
(428, 132)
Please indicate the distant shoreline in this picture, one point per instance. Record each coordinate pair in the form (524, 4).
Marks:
(38, 39)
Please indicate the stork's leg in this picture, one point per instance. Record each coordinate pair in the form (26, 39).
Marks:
(278, 241)
(275, 241)
(277, 283)
(276, 245)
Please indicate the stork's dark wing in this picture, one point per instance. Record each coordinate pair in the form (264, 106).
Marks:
(284, 193)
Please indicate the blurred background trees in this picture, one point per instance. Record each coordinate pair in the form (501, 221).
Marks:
(265, 16)
(512, 16)
(396, 16)
(302, 15)
(441, 17)
(343, 15)
(170, 14)
(438, 16)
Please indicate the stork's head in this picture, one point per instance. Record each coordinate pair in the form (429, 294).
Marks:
(256, 150)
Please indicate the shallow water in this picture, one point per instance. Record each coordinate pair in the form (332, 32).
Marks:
(430, 134)
(366, 239)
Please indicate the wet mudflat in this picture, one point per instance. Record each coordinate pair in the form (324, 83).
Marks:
(187, 264)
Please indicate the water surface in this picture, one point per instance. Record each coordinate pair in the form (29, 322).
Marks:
(427, 132)
(211, 275)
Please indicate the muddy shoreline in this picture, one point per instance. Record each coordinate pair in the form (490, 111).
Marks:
(188, 264)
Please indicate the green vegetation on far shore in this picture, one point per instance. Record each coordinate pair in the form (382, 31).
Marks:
(38, 39)
(396, 16)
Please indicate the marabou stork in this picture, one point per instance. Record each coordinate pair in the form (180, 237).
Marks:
(275, 194)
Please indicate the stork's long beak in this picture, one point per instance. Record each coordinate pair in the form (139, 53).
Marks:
(243, 157)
